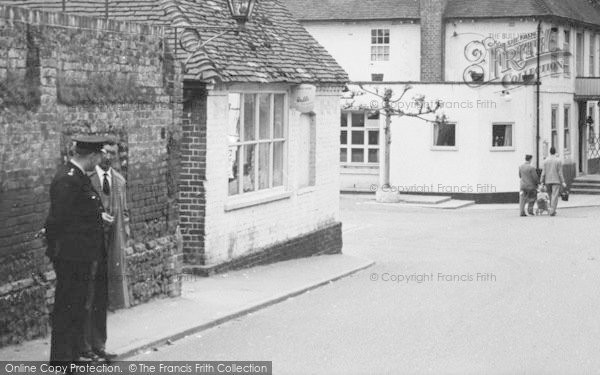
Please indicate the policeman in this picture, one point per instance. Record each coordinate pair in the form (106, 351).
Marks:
(74, 231)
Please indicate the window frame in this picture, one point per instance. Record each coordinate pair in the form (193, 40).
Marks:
(445, 148)
(567, 53)
(380, 47)
(580, 54)
(592, 56)
(554, 50)
(241, 194)
(512, 147)
(554, 126)
(566, 128)
(366, 129)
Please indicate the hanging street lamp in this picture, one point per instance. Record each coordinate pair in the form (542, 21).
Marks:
(241, 10)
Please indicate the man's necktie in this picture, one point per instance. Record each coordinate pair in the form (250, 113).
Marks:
(105, 185)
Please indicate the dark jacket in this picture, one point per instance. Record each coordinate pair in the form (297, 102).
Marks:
(74, 228)
(529, 177)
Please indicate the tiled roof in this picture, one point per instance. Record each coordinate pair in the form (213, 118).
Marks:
(314, 10)
(586, 11)
(272, 48)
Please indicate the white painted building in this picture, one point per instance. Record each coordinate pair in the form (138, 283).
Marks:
(434, 45)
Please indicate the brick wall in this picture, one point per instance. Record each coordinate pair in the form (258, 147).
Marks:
(432, 40)
(61, 75)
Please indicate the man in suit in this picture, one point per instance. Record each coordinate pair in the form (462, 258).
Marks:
(552, 176)
(111, 187)
(74, 231)
(528, 186)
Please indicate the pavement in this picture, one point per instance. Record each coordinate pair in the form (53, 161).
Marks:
(206, 303)
(444, 202)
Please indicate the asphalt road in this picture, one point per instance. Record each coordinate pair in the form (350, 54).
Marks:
(452, 292)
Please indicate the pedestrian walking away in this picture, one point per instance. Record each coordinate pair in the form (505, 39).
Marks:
(74, 232)
(528, 186)
(552, 177)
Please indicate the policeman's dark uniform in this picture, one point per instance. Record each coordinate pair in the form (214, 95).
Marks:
(74, 230)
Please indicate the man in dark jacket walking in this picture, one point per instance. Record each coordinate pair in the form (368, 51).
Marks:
(529, 183)
(74, 231)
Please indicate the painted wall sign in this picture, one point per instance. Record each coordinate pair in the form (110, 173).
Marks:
(515, 61)
(303, 98)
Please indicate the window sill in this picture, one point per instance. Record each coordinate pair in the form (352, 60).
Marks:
(360, 165)
(306, 190)
(502, 149)
(255, 199)
(444, 148)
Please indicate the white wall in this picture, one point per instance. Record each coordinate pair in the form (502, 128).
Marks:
(461, 50)
(350, 44)
(473, 165)
(230, 234)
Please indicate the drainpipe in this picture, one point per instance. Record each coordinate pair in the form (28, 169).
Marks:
(537, 98)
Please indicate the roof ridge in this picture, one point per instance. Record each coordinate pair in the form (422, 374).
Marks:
(544, 5)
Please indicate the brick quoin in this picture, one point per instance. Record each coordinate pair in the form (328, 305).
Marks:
(432, 40)
(192, 198)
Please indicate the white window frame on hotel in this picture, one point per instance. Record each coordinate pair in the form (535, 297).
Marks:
(435, 147)
(370, 131)
(567, 53)
(264, 137)
(554, 126)
(592, 67)
(554, 50)
(510, 147)
(566, 127)
(380, 44)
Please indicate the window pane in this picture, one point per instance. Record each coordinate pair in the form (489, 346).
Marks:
(233, 131)
(263, 165)
(344, 137)
(343, 155)
(358, 119)
(373, 115)
(249, 167)
(444, 135)
(278, 163)
(373, 156)
(502, 135)
(567, 140)
(374, 137)
(279, 116)
(553, 118)
(344, 119)
(358, 138)
(264, 116)
(234, 181)
(249, 109)
(358, 155)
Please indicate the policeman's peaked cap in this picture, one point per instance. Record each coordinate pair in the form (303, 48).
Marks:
(92, 143)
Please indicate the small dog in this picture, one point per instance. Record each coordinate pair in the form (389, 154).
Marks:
(542, 201)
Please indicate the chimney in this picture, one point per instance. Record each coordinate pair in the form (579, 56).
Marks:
(432, 39)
